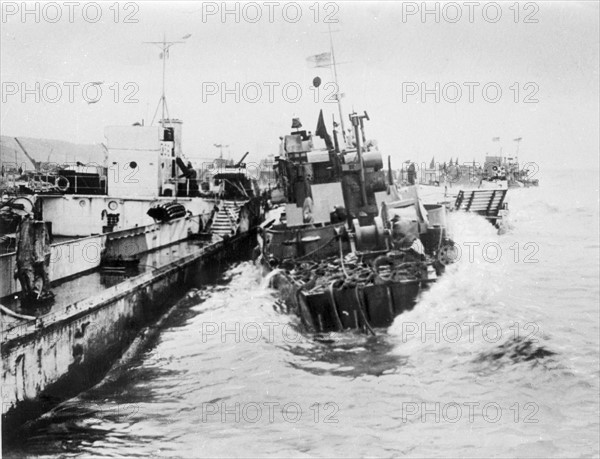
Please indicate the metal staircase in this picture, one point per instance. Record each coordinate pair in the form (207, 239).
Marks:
(225, 222)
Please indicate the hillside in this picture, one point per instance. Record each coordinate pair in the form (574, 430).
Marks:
(55, 152)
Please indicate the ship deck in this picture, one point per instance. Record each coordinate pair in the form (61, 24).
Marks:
(92, 283)
(431, 194)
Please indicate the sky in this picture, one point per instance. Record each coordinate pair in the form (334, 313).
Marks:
(545, 62)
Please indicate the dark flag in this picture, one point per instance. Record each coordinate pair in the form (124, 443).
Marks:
(321, 131)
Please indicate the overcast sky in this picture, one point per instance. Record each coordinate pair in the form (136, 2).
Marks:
(382, 56)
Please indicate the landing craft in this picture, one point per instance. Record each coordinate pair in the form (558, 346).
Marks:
(349, 250)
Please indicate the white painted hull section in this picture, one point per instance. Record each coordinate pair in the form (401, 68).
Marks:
(77, 256)
(84, 215)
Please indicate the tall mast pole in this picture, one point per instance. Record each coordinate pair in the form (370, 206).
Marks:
(220, 146)
(337, 86)
(164, 45)
(164, 59)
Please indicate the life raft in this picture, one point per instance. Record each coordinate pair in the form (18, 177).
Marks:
(167, 211)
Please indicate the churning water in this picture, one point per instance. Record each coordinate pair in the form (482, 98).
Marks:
(499, 358)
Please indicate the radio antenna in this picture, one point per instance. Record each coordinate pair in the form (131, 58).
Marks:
(164, 45)
(338, 94)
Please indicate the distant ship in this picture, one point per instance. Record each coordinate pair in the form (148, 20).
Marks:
(499, 168)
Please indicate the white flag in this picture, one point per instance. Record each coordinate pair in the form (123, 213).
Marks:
(320, 60)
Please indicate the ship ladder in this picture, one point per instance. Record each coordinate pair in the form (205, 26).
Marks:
(225, 221)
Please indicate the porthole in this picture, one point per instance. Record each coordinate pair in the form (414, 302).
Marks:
(133, 164)
(112, 205)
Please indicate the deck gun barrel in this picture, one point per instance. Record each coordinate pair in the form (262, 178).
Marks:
(241, 161)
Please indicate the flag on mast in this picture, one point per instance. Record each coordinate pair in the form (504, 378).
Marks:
(320, 60)
(321, 131)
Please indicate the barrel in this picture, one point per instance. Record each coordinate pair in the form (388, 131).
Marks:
(436, 214)
(432, 239)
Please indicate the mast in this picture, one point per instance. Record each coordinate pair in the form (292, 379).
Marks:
(338, 95)
(220, 146)
(357, 121)
(164, 45)
(518, 140)
(497, 139)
